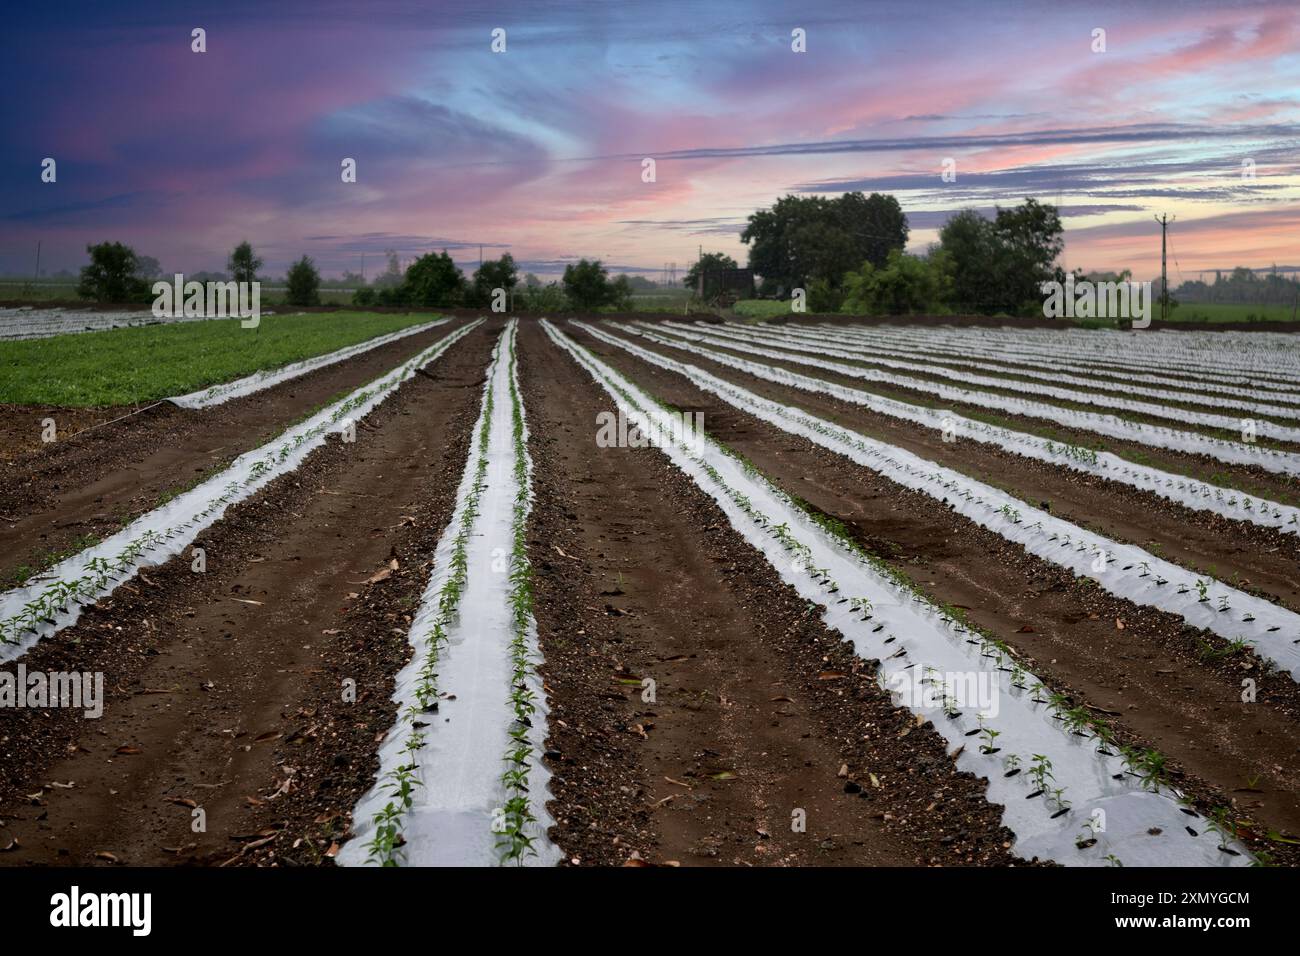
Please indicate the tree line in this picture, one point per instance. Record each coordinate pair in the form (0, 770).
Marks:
(434, 280)
(1243, 287)
(847, 254)
(116, 273)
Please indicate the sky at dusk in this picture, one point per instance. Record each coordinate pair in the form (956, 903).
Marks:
(538, 150)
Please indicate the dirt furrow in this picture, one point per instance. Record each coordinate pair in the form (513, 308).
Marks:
(226, 689)
(88, 484)
(756, 706)
(1161, 683)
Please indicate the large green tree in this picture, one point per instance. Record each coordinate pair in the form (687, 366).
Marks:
(875, 223)
(1032, 237)
(803, 239)
(112, 275)
(586, 283)
(906, 284)
(494, 274)
(544, 298)
(433, 280)
(710, 264)
(620, 294)
(971, 243)
(1000, 264)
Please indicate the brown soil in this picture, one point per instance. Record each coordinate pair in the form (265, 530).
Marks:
(757, 705)
(224, 689)
(89, 483)
(1151, 679)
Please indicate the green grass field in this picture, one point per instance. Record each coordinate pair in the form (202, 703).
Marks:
(661, 300)
(1218, 312)
(128, 366)
(761, 308)
(43, 291)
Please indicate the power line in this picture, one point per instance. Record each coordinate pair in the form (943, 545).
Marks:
(1174, 253)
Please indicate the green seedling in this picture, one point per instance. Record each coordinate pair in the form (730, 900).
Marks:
(989, 735)
(1040, 772)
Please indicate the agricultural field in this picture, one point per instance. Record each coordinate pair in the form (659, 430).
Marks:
(1233, 312)
(149, 362)
(1210, 313)
(761, 308)
(572, 592)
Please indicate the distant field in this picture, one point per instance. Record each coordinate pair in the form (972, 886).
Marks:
(36, 292)
(126, 366)
(1185, 312)
(45, 291)
(1219, 312)
(760, 308)
(661, 300)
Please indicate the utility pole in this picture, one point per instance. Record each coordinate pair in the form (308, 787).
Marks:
(1164, 266)
(37, 278)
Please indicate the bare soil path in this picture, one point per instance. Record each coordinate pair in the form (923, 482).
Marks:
(757, 706)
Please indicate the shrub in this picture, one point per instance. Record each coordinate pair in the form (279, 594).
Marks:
(303, 283)
(905, 284)
(587, 286)
(243, 263)
(547, 298)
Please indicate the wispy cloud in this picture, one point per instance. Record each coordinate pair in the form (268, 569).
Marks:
(540, 149)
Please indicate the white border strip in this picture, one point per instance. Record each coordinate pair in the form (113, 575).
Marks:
(460, 794)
